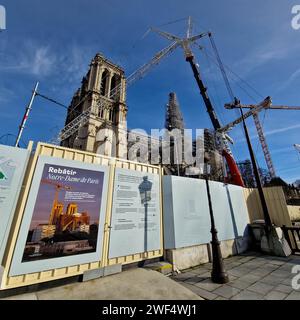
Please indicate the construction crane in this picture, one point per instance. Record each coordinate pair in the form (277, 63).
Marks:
(58, 188)
(185, 44)
(224, 130)
(82, 119)
(259, 128)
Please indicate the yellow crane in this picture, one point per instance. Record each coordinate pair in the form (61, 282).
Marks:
(58, 188)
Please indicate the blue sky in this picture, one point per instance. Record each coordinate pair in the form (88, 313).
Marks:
(54, 41)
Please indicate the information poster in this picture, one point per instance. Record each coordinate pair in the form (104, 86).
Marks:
(65, 212)
(135, 226)
(13, 162)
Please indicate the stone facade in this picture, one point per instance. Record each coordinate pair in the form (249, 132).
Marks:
(104, 90)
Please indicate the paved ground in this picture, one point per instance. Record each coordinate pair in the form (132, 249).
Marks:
(252, 277)
(134, 284)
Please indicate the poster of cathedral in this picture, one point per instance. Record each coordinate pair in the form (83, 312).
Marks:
(65, 213)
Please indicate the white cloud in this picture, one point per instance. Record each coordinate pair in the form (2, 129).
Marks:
(271, 132)
(43, 61)
(278, 46)
(74, 62)
(261, 56)
(290, 80)
(282, 150)
(67, 65)
(275, 131)
(30, 58)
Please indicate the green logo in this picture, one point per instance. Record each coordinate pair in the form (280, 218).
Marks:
(2, 176)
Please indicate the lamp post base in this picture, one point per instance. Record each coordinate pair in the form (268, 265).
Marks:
(218, 274)
(274, 243)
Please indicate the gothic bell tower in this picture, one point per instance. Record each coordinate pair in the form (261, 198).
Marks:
(103, 91)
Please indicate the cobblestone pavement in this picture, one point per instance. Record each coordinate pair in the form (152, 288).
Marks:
(252, 277)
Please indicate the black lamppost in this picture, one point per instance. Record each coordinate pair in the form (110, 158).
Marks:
(218, 274)
(145, 193)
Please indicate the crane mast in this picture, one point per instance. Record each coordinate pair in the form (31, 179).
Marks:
(203, 91)
(264, 145)
(190, 58)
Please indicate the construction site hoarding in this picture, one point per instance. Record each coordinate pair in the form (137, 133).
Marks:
(63, 223)
(230, 210)
(187, 217)
(276, 202)
(13, 163)
(136, 213)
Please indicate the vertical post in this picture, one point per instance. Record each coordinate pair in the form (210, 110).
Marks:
(218, 274)
(146, 227)
(26, 115)
(268, 221)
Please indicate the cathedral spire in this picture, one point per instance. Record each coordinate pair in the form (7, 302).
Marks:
(174, 119)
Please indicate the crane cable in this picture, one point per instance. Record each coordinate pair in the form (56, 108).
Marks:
(219, 109)
(51, 100)
(213, 81)
(223, 71)
(237, 76)
(221, 66)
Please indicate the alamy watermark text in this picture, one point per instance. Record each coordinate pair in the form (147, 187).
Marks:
(296, 17)
(2, 18)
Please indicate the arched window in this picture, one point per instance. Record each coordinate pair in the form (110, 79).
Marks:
(100, 112)
(104, 80)
(115, 81)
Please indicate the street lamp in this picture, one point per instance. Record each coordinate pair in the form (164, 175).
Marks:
(145, 193)
(145, 190)
(218, 274)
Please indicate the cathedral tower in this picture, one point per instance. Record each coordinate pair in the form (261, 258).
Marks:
(104, 91)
